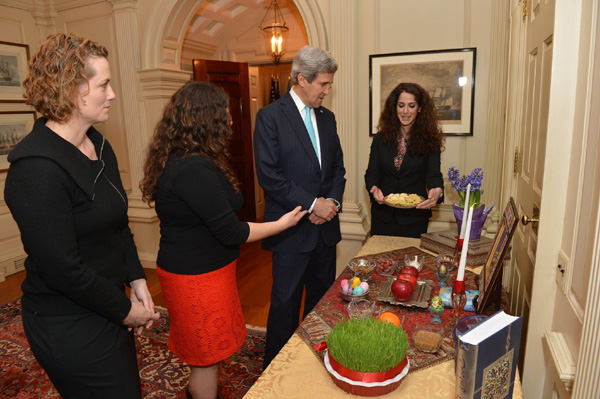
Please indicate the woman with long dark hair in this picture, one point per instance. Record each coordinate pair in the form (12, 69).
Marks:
(196, 194)
(405, 158)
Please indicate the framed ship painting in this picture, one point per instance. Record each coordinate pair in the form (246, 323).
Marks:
(448, 76)
(14, 126)
(13, 68)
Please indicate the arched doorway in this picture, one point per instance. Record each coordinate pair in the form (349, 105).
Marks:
(207, 31)
(167, 36)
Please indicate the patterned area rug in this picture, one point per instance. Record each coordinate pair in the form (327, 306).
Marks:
(163, 374)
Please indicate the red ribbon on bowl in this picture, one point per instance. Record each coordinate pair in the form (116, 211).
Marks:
(367, 377)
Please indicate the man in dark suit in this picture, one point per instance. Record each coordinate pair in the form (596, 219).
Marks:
(299, 161)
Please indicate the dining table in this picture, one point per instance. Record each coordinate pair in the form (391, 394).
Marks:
(298, 370)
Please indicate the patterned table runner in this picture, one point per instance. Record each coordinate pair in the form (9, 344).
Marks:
(332, 309)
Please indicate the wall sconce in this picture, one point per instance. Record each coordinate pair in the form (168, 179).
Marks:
(275, 30)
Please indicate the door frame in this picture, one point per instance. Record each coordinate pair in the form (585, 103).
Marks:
(561, 121)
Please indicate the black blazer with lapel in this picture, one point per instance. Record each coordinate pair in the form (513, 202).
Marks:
(417, 174)
(288, 171)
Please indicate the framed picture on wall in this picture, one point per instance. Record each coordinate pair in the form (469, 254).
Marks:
(448, 76)
(14, 126)
(13, 68)
(493, 264)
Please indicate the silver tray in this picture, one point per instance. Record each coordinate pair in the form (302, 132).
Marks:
(418, 299)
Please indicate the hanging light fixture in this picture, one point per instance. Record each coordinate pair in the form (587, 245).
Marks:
(275, 30)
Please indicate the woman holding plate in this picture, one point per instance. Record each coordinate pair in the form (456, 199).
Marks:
(405, 158)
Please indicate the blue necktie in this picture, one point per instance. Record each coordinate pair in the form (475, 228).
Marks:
(311, 130)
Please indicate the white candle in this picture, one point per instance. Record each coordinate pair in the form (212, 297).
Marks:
(460, 275)
(464, 220)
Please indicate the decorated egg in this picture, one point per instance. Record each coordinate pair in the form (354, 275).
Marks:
(436, 303)
(365, 286)
(345, 287)
(355, 282)
(358, 291)
(344, 282)
(348, 290)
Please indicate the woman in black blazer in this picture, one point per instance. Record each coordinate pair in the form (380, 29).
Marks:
(405, 158)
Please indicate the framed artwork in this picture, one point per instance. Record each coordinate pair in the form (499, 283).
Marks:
(14, 125)
(493, 264)
(448, 76)
(13, 68)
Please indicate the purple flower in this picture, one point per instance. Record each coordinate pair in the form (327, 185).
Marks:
(453, 176)
(475, 178)
(460, 184)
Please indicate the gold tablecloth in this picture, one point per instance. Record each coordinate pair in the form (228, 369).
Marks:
(297, 373)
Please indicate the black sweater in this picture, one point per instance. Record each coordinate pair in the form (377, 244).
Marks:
(197, 207)
(72, 214)
(417, 175)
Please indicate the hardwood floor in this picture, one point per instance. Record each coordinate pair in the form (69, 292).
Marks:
(254, 281)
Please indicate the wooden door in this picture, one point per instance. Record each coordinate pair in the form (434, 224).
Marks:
(572, 341)
(233, 78)
(531, 63)
(256, 103)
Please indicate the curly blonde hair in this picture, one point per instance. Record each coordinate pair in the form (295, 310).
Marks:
(56, 71)
(196, 121)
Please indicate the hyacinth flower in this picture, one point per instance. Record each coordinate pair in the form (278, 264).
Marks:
(460, 184)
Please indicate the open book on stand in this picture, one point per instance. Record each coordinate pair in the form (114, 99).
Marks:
(487, 357)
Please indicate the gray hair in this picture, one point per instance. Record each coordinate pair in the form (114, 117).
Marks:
(311, 61)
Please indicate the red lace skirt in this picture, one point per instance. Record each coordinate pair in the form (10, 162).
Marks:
(207, 324)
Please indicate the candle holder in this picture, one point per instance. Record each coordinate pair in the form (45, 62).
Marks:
(459, 300)
(458, 250)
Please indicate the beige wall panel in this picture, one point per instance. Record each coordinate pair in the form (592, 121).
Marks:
(97, 22)
(448, 25)
(17, 27)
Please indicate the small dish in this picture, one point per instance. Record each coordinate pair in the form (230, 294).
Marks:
(386, 267)
(360, 308)
(427, 337)
(349, 298)
(416, 261)
(361, 268)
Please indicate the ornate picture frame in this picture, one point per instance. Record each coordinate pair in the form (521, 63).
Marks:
(493, 264)
(13, 69)
(448, 75)
(14, 125)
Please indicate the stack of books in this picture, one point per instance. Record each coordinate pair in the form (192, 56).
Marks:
(444, 242)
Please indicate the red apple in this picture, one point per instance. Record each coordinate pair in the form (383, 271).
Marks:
(410, 270)
(402, 290)
(407, 277)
